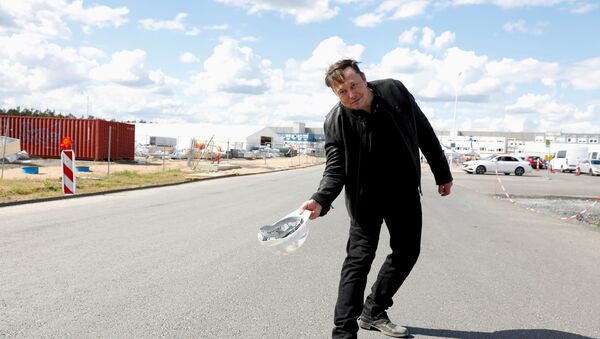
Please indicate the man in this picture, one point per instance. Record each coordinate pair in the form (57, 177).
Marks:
(372, 141)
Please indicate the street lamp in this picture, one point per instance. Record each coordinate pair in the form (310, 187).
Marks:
(453, 132)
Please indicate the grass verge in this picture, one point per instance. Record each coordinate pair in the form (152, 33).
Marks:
(27, 189)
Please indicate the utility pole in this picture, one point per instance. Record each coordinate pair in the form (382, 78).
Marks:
(453, 133)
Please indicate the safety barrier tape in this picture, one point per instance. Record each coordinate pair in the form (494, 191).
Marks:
(504, 189)
(576, 215)
(580, 213)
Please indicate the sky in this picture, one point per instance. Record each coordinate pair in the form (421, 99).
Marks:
(479, 65)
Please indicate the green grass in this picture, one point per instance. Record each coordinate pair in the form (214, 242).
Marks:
(26, 189)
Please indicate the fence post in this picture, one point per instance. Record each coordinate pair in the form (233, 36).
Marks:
(109, 142)
(3, 149)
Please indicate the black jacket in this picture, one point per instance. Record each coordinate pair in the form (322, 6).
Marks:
(346, 138)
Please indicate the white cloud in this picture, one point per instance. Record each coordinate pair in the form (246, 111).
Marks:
(467, 2)
(266, 95)
(429, 40)
(368, 20)
(303, 11)
(46, 18)
(522, 27)
(221, 27)
(155, 25)
(527, 3)
(436, 78)
(162, 81)
(177, 24)
(125, 67)
(307, 77)
(405, 9)
(392, 10)
(34, 17)
(527, 70)
(443, 40)
(409, 37)
(140, 102)
(92, 53)
(234, 69)
(193, 31)
(29, 63)
(549, 115)
(585, 75)
(97, 15)
(249, 38)
(583, 8)
(188, 58)
(329, 51)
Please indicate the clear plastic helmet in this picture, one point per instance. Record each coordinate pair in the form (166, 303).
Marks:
(286, 235)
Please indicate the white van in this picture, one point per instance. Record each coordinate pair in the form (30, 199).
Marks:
(565, 160)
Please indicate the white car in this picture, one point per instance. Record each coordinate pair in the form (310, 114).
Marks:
(503, 164)
(591, 167)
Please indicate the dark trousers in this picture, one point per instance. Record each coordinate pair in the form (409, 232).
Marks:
(404, 225)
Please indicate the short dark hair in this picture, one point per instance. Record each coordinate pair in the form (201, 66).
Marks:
(334, 73)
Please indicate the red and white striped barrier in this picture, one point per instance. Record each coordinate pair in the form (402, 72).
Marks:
(577, 169)
(580, 213)
(68, 169)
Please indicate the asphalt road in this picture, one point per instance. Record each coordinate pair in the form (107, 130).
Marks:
(534, 184)
(184, 261)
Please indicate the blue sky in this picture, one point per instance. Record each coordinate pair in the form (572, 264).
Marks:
(512, 65)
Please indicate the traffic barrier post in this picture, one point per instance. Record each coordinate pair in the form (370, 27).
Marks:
(68, 172)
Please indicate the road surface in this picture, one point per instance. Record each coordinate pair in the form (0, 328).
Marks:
(184, 261)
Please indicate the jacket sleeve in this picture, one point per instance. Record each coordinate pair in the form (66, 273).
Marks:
(334, 175)
(429, 143)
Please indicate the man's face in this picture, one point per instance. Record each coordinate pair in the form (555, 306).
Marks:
(353, 92)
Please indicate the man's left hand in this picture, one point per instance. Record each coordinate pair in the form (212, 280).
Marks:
(445, 189)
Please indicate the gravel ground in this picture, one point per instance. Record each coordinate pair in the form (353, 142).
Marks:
(563, 208)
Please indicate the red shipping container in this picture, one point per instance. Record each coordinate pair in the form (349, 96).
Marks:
(41, 136)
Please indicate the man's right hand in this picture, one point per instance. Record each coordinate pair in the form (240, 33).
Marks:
(312, 206)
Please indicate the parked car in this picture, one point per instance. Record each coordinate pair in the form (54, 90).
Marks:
(503, 164)
(565, 160)
(288, 152)
(236, 153)
(591, 167)
(533, 162)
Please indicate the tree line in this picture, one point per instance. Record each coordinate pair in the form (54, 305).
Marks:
(30, 112)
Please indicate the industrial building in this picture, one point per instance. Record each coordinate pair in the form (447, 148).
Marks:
(518, 143)
(299, 137)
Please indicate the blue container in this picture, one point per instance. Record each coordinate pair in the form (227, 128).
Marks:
(30, 170)
(82, 168)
